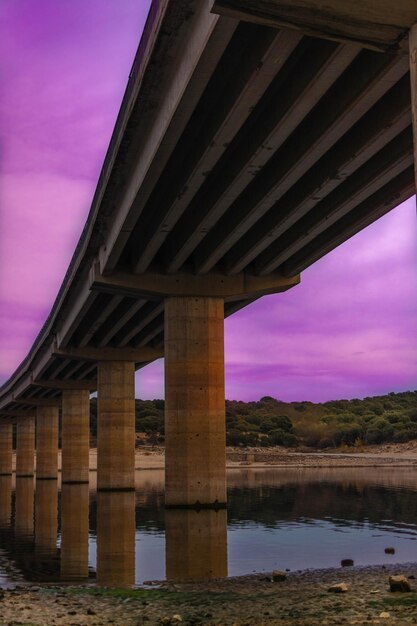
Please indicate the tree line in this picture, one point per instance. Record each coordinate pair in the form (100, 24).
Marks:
(270, 422)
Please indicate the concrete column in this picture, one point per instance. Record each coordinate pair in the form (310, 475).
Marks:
(6, 450)
(413, 77)
(195, 437)
(24, 504)
(25, 448)
(196, 544)
(74, 531)
(75, 435)
(116, 425)
(47, 442)
(116, 538)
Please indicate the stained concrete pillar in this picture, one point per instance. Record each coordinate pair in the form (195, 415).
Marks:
(47, 442)
(6, 450)
(116, 538)
(25, 448)
(75, 435)
(196, 544)
(413, 77)
(116, 425)
(195, 453)
(74, 531)
(24, 506)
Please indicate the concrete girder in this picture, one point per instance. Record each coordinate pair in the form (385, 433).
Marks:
(413, 78)
(279, 111)
(38, 401)
(356, 91)
(136, 355)
(157, 286)
(375, 25)
(393, 160)
(253, 57)
(62, 384)
(385, 199)
(162, 128)
(12, 414)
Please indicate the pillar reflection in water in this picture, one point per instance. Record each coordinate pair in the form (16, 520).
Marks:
(196, 544)
(46, 518)
(74, 531)
(24, 503)
(5, 501)
(116, 538)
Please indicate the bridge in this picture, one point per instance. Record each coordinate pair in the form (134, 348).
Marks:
(253, 138)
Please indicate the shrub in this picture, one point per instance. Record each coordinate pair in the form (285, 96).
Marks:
(280, 437)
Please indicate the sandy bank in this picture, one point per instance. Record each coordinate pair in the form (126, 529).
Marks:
(393, 455)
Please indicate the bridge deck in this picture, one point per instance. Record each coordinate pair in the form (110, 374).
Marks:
(244, 147)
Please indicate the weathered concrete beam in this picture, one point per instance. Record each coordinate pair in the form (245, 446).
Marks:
(413, 77)
(157, 286)
(11, 413)
(38, 401)
(375, 25)
(135, 355)
(57, 383)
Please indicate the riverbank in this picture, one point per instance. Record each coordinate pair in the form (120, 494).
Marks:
(398, 455)
(394, 454)
(301, 600)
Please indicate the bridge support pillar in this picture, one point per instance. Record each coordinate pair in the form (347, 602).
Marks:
(25, 448)
(75, 435)
(47, 442)
(195, 438)
(116, 425)
(6, 451)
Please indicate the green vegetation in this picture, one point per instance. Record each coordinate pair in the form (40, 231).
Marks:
(176, 598)
(270, 422)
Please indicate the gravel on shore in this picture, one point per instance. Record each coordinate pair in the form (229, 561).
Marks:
(300, 600)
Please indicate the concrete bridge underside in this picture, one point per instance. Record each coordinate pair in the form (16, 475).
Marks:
(253, 138)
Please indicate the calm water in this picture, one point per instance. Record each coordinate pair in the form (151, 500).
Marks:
(293, 519)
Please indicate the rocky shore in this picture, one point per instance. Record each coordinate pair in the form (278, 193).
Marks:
(302, 599)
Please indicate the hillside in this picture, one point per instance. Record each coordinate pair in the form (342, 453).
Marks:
(380, 419)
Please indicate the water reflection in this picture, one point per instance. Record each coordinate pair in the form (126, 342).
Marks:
(275, 519)
(5, 501)
(46, 528)
(74, 531)
(116, 538)
(24, 508)
(196, 544)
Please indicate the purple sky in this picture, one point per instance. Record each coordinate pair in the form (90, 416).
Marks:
(349, 329)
